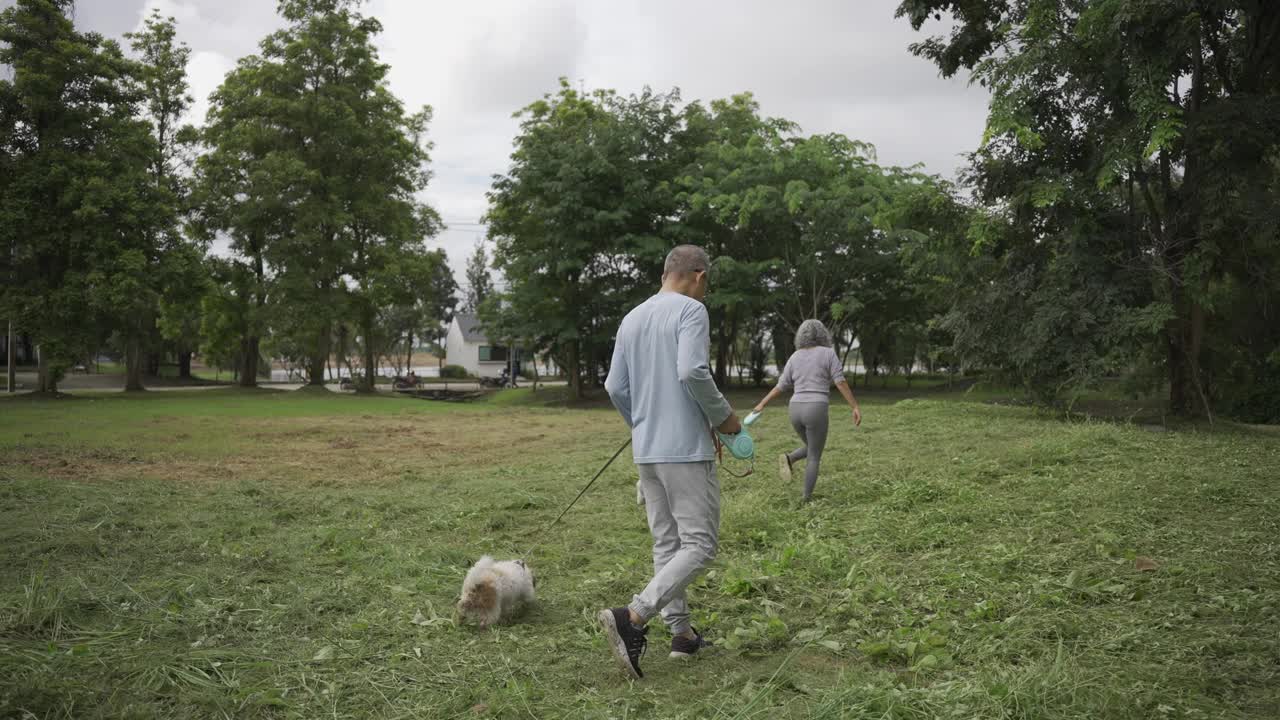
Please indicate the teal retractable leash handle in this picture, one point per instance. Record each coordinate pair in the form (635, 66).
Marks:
(741, 445)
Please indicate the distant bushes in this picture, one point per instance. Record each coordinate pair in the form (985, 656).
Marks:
(453, 372)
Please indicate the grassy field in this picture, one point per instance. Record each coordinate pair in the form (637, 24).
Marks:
(229, 553)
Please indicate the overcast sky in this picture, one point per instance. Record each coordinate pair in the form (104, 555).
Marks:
(830, 65)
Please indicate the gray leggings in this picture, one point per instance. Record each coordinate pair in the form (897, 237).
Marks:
(810, 422)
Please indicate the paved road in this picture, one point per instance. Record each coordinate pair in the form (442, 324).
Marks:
(115, 383)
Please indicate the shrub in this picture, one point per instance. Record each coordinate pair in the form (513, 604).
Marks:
(453, 372)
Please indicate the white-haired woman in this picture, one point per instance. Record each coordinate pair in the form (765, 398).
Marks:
(810, 372)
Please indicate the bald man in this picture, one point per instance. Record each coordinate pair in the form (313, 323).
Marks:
(660, 381)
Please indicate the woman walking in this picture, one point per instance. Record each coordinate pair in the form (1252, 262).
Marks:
(811, 371)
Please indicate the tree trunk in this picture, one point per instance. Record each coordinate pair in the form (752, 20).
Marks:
(11, 361)
(511, 361)
(249, 362)
(370, 362)
(408, 363)
(343, 357)
(133, 360)
(722, 350)
(783, 346)
(47, 380)
(1177, 368)
(319, 356)
(1195, 346)
(184, 364)
(1179, 234)
(575, 378)
(593, 360)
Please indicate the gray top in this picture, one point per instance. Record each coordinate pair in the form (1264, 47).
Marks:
(660, 381)
(812, 372)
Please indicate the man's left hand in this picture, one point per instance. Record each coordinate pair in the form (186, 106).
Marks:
(731, 425)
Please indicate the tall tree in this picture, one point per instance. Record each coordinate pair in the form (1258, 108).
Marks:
(425, 307)
(75, 202)
(312, 119)
(479, 282)
(437, 297)
(1133, 142)
(230, 319)
(170, 263)
(178, 318)
(730, 193)
(246, 191)
(794, 224)
(578, 220)
(313, 171)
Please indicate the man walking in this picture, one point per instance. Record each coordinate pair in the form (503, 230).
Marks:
(660, 381)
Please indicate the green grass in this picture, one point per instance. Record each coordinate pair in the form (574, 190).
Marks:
(229, 553)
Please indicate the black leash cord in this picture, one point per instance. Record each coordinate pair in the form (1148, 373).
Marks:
(588, 487)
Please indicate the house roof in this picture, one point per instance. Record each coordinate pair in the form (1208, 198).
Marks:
(469, 324)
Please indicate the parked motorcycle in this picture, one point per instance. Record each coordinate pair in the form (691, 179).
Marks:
(409, 382)
(502, 381)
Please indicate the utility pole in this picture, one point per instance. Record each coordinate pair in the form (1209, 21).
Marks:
(511, 362)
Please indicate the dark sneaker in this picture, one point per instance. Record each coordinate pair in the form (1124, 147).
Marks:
(683, 647)
(784, 467)
(626, 641)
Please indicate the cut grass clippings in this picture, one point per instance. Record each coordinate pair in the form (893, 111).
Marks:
(268, 554)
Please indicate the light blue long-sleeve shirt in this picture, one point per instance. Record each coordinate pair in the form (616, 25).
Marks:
(660, 381)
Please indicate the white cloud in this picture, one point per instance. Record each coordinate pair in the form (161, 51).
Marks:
(205, 72)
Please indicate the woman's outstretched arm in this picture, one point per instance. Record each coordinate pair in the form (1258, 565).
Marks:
(775, 392)
(847, 392)
(783, 385)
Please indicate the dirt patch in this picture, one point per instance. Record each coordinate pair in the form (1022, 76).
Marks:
(72, 463)
(330, 451)
(301, 434)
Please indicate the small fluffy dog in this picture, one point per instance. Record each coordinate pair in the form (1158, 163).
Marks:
(495, 591)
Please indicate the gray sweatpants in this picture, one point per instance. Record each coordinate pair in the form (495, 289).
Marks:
(810, 422)
(683, 504)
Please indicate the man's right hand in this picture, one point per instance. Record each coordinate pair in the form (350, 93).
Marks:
(731, 425)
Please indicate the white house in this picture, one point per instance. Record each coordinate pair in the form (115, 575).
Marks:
(467, 346)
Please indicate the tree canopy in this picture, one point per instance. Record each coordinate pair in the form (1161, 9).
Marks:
(1127, 182)
(1118, 220)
